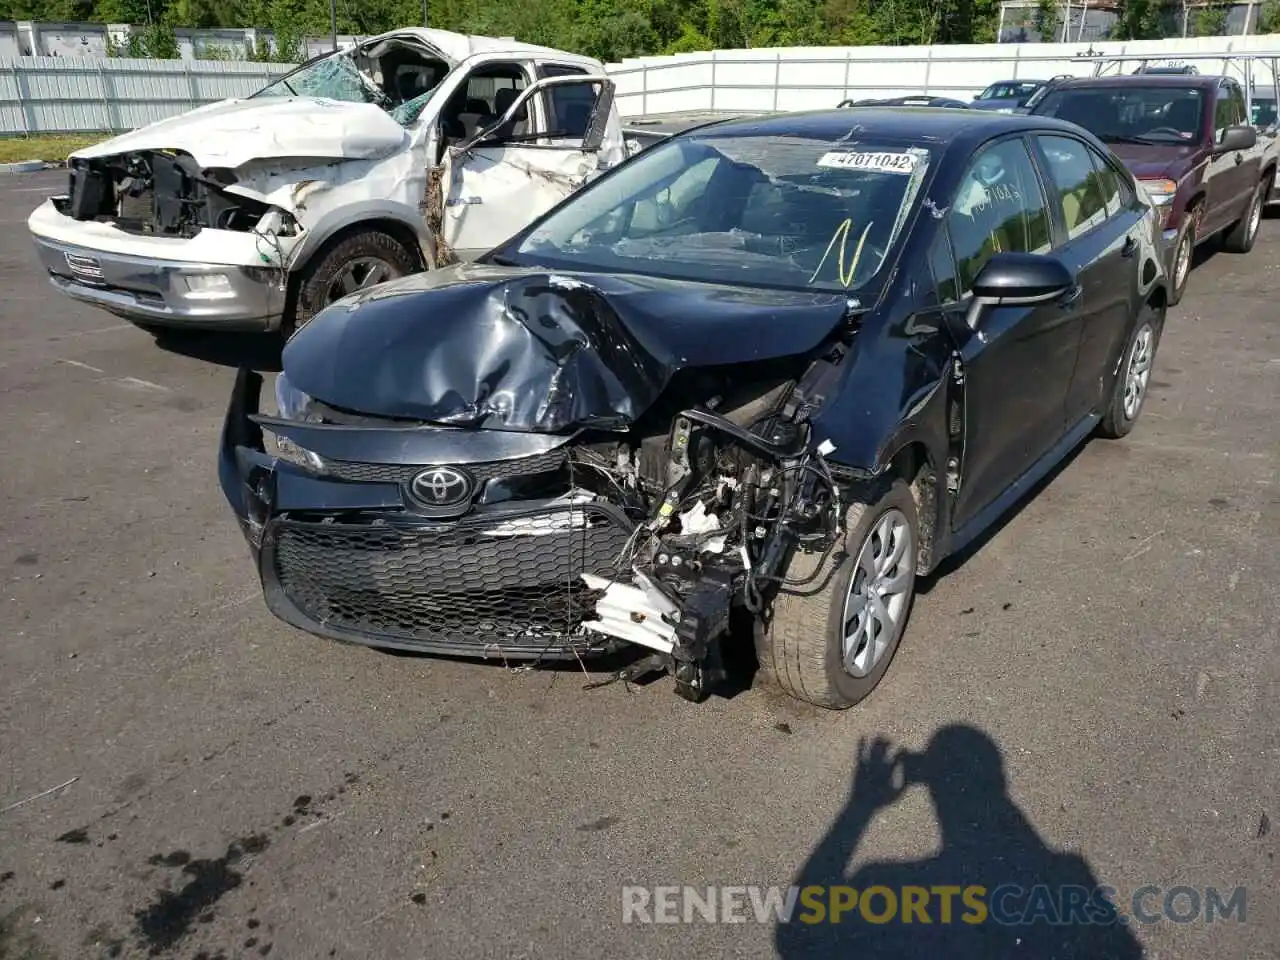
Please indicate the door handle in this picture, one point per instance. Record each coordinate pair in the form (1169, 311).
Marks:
(1071, 297)
(1130, 246)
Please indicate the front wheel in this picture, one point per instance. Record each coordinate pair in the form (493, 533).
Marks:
(356, 262)
(1129, 392)
(1180, 263)
(829, 641)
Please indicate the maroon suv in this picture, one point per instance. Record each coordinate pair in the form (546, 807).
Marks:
(1188, 140)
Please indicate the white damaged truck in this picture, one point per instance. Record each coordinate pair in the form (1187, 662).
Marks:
(404, 152)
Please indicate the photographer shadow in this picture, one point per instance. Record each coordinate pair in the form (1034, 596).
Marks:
(986, 841)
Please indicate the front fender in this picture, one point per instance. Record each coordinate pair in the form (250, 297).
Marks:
(893, 392)
(369, 211)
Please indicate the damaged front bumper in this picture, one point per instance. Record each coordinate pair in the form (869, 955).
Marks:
(531, 560)
(166, 292)
(345, 552)
(219, 279)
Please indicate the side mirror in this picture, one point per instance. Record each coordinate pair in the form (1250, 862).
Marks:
(1019, 279)
(1237, 138)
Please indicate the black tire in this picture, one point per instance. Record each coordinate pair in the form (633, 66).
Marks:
(1119, 416)
(800, 640)
(321, 280)
(1243, 234)
(1186, 237)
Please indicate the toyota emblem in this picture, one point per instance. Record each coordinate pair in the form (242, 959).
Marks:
(441, 486)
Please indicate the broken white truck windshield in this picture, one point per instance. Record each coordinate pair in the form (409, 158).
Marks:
(773, 211)
(397, 77)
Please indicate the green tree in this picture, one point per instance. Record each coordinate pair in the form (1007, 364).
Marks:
(1210, 20)
(1139, 20)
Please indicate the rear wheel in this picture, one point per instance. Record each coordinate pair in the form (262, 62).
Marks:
(1243, 234)
(356, 262)
(830, 641)
(1130, 390)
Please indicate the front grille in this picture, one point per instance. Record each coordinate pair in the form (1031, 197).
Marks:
(460, 584)
(403, 473)
(86, 269)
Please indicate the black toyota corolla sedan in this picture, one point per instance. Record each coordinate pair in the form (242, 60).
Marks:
(773, 369)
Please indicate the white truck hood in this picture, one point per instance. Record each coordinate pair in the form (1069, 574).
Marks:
(233, 132)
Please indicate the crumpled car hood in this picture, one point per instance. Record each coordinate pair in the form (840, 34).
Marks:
(233, 132)
(525, 349)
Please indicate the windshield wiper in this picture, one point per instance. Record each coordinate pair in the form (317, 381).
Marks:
(1117, 138)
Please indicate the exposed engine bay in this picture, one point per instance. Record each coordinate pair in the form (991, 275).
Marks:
(720, 502)
(162, 193)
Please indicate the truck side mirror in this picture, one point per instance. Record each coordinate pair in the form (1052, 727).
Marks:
(1237, 138)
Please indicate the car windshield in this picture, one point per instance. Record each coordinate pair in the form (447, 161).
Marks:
(1263, 112)
(1007, 91)
(339, 76)
(1133, 114)
(334, 77)
(787, 211)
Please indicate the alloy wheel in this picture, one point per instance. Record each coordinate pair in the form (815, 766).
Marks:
(358, 274)
(1255, 216)
(1182, 261)
(1139, 372)
(879, 591)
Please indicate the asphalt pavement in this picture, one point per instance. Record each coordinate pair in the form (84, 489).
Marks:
(1100, 683)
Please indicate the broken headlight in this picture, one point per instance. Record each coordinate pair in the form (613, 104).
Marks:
(292, 404)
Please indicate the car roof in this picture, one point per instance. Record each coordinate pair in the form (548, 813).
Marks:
(461, 46)
(1199, 81)
(942, 124)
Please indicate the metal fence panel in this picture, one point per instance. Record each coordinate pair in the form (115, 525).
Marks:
(93, 94)
(807, 78)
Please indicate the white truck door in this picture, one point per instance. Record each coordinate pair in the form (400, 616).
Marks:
(499, 180)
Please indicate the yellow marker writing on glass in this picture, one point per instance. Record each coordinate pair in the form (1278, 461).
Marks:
(842, 235)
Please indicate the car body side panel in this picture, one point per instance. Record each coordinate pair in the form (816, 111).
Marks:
(1108, 262)
(491, 190)
(1018, 365)
(1224, 179)
(891, 393)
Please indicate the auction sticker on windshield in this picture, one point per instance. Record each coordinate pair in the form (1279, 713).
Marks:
(904, 163)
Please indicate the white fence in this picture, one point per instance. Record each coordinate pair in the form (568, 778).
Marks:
(68, 95)
(92, 94)
(810, 78)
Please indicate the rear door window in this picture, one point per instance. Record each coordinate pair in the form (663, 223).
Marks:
(1108, 182)
(1075, 184)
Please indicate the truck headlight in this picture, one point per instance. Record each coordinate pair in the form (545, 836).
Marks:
(1160, 193)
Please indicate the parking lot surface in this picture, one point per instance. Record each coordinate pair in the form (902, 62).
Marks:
(1100, 680)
